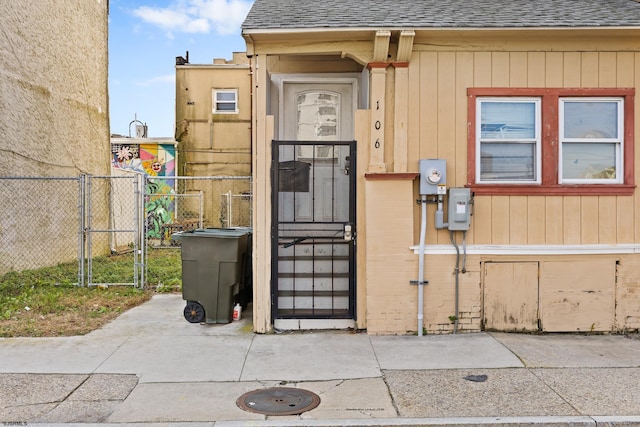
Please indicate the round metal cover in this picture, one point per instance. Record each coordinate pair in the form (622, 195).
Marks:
(278, 401)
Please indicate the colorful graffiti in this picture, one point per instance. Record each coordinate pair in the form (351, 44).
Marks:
(153, 160)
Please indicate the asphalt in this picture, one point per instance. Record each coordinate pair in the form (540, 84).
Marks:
(150, 367)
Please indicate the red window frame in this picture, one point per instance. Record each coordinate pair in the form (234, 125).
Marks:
(550, 142)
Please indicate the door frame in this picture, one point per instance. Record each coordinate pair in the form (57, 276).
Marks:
(277, 103)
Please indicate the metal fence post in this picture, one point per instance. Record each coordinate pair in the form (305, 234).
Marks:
(139, 240)
(89, 233)
(81, 228)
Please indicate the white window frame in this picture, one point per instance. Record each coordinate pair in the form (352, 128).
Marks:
(618, 141)
(537, 140)
(215, 102)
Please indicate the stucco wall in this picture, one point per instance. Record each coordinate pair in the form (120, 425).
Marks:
(213, 144)
(53, 108)
(53, 87)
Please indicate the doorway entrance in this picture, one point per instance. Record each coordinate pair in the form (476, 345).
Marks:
(314, 215)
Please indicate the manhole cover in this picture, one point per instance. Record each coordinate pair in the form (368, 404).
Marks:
(278, 401)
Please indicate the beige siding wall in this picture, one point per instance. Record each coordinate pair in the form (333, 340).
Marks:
(441, 69)
(606, 290)
(438, 128)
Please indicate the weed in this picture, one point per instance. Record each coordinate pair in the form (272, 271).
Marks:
(46, 301)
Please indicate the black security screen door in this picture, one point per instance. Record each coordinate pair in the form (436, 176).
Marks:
(313, 230)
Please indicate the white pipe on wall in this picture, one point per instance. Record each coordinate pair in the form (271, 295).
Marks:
(423, 233)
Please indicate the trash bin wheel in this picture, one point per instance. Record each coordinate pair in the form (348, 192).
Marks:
(194, 312)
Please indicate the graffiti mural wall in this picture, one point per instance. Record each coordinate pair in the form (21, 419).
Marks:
(154, 160)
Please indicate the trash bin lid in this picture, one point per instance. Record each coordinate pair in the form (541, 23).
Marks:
(225, 233)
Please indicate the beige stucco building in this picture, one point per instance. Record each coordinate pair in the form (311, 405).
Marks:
(530, 113)
(213, 134)
(54, 117)
(53, 82)
(213, 117)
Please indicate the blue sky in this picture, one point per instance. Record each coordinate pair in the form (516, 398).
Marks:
(145, 36)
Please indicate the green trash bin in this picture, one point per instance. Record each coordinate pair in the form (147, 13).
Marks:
(213, 271)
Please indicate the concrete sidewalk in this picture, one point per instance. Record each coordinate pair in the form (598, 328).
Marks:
(150, 366)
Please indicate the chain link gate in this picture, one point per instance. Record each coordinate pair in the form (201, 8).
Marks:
(113, 227)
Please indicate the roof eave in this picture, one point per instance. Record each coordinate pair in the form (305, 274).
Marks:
(302, 30)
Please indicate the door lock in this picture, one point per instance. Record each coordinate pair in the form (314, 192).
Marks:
(348, 232)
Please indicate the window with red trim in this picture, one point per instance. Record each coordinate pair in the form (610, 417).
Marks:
(551, 141)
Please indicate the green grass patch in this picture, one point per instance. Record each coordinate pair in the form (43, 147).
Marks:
(47, 301)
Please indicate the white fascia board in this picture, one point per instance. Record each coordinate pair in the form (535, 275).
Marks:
(627, 248)
(299, 30)
(264, 31)
(213, 66)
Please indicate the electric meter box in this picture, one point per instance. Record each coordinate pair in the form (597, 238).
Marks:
(433, 176)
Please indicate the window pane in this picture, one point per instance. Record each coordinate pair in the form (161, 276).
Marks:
(590, 119)
(507, 120)
(588, 161)
(225, 96)
(318, 115)
(222, 106)
(506, 161)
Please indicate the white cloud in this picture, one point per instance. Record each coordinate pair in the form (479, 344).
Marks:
(226, 15)
(169, 78)
(197, 16)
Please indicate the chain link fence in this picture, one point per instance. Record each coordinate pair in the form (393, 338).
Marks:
(182, 204)
(108, 230)
(41, 224)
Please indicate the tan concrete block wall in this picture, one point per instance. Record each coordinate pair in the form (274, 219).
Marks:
(440, 295)
(389, 267)
(392, 301)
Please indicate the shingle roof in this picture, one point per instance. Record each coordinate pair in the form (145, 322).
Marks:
(292, 14)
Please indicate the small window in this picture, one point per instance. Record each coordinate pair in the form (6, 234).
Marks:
(508, 140)
(591, 132)
(225, 101)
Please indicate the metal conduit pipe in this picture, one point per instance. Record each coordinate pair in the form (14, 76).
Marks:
(423, 233)
(457, 273)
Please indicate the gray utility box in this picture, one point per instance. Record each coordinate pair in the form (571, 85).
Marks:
(214, 272)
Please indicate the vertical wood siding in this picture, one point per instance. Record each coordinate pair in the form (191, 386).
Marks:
(438, 126)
